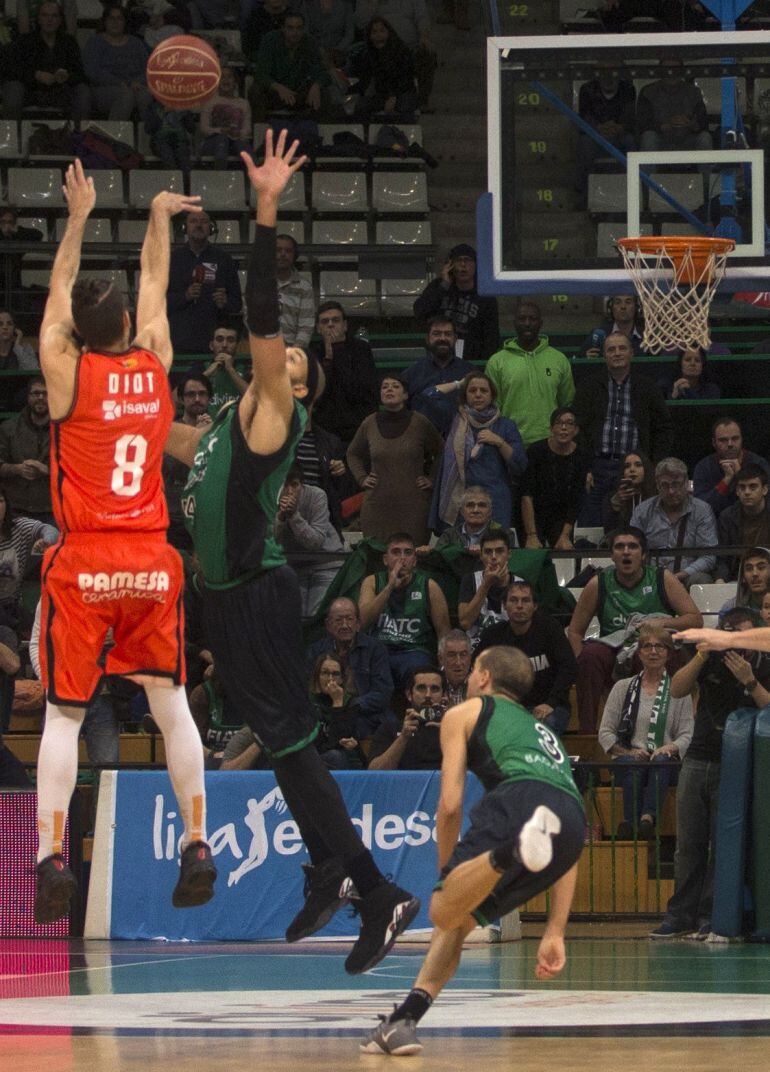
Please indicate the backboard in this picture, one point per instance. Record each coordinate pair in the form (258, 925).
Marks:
(539, 231)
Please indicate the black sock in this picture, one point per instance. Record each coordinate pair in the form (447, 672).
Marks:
(364, 872)
(504, 857)
(414, 1006)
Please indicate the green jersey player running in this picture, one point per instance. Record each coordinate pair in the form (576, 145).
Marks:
(525, 835)
(251, 600)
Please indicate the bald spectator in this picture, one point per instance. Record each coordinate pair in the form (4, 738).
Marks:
(364, 658)
(531, 376)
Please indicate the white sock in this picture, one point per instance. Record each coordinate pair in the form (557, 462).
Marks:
(184, 756)
(57, 772)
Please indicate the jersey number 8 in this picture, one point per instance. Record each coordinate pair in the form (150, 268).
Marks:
(130, 456)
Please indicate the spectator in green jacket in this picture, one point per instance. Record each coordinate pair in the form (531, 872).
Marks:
(289, 72)
(532, 378)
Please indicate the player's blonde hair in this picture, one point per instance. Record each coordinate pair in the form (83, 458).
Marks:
(509, 669)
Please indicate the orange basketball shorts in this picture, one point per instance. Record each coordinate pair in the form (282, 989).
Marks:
(130, 583)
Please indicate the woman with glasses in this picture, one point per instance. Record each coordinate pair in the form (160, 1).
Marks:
(336, 741)
(643, 729)
(554, 484)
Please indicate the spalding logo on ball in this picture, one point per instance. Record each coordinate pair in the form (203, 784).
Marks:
(183, 72)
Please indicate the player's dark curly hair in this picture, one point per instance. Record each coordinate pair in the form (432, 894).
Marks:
(97, 311)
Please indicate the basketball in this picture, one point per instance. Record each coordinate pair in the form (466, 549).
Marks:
(183, 72)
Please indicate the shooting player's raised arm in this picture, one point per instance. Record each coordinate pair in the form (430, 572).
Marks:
(267, 406)
(152, 331)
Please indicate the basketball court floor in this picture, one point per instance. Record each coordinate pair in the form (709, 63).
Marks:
(174, 1006)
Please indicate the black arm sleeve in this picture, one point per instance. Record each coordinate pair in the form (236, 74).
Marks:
(262, 306)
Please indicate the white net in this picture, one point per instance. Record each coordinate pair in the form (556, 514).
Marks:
(676, 288)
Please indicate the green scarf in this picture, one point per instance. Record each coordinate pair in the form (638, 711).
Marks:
(658, 717)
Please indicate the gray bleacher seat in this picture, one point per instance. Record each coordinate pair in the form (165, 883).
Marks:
(219, 190)
(96, 230)
(28, 127)
(228, 231)
(359, 296)
(327, 132)
(607, 193)
(133, 231)
(144, 185)
(340, 232)
(399, 191)
(292, 198)
(607, 233)
(686, 188)
(398, 295)
(39, 223)
(9, 139)
(339, 191)
(404, 233)
(35, 187)
(109, 188)
(711, 88)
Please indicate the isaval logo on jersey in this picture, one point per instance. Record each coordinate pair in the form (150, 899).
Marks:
(112, 410)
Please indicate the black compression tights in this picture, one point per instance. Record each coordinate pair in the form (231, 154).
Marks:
(316, 803)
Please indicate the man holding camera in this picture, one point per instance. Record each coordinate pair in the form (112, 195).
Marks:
(454, 294)
(723, 680)
(415, 743)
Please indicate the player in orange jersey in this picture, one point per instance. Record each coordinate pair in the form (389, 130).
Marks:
(112, 567)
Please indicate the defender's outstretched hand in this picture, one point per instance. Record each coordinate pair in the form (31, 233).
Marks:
(79, 192)
(171, 204)
(271, 179)
(707, 639)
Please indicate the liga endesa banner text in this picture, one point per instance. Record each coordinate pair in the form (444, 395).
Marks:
(257, 850)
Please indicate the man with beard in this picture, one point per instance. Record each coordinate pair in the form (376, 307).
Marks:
(25, 443)
(455, 295)
(531, 376)
(439, 366)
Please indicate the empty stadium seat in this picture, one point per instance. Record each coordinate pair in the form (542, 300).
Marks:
(132, 231)
(295, 228)
(97, 230)
(292, 198)
(228, 231)
(339, 191)
(327, 132)
(413, 133)
(38, 186)
(404, 233)
(687, 189)
(109, 188)
(116, 275)
(9, 139)
(594, 534)
(399, 191)
(219, 189)
(144, 185)
(608, 233)
(710, 598)
(398, 295)
(711, 88)
(565, 570)
(38, 223)
(607, 193)
(359, 296)
(340, 232)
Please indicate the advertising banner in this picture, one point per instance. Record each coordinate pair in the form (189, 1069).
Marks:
(257, 850)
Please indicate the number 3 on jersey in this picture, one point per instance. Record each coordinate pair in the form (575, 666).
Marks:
(550, 743)
(130, 456)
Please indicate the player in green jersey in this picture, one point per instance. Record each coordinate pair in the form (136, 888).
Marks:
(251, 601)
(525, 835)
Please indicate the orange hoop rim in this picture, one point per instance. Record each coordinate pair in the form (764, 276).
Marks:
(676, 246)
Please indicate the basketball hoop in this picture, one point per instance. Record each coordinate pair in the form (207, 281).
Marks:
(676, 278)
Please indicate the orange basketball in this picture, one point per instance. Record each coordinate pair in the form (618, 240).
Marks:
(183, 72)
